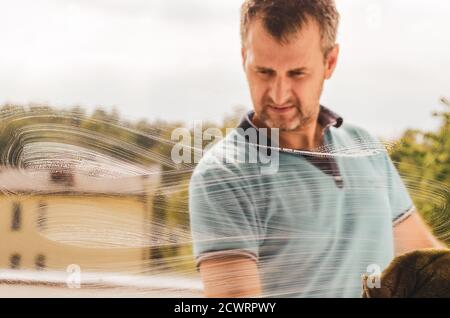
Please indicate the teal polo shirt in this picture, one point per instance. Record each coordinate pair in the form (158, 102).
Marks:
(315, 225)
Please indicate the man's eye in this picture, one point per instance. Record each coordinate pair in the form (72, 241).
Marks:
(296, 74)
(265, 72)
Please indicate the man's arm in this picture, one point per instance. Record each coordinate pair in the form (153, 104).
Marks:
(230, 277)
(413, 234)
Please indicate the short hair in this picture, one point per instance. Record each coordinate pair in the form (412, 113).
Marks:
(284, 18)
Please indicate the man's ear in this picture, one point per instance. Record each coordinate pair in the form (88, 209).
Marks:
(244, 56)
(331, 61)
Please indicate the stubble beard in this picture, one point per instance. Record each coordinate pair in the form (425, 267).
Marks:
(296, 121)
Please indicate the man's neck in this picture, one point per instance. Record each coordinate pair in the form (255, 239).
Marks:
(309, 138)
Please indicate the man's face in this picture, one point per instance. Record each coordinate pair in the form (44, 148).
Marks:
(286, 80)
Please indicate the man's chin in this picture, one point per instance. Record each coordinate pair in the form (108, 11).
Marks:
(283, 125)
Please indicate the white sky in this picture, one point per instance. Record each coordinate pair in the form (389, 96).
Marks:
(180, 59)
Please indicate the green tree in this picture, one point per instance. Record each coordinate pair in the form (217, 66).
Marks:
(423, 160)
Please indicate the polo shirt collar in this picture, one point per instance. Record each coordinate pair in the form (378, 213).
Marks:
(328, 165)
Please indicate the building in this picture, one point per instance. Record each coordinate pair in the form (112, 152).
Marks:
(50, 220)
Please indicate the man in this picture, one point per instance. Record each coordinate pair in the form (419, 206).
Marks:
(312, 228)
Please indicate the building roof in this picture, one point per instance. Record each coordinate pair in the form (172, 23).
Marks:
(20, 181)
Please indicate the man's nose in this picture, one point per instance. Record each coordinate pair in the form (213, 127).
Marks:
(281, 91)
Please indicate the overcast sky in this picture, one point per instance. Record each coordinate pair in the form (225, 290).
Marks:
(180, 59)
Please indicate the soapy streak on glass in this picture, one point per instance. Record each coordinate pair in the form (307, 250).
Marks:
(116, 203)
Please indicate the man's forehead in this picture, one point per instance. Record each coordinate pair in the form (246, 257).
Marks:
(264, 48)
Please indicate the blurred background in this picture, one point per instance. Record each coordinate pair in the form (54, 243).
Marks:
(92, 90)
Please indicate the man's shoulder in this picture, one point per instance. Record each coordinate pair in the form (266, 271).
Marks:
(355, 131)
(356, 141)
(350, 134)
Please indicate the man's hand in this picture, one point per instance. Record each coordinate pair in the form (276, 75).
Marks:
(230, 277)
(413, 234)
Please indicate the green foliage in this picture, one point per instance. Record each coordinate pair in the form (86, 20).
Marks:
(101, 129)
(423, 160)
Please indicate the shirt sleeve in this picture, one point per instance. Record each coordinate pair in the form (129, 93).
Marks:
(402, 205)
(222, 216)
